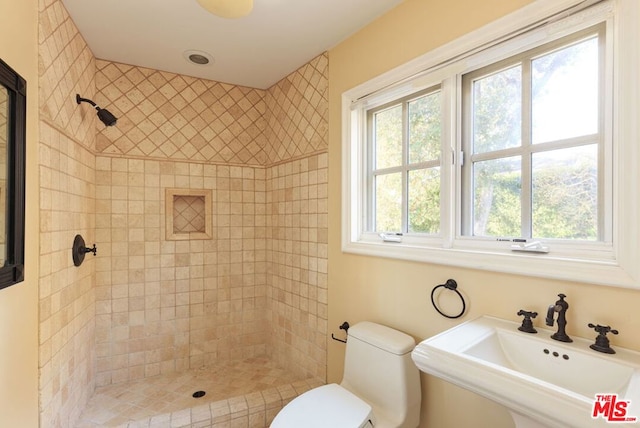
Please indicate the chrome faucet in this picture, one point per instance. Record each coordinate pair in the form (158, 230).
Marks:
(561, 308)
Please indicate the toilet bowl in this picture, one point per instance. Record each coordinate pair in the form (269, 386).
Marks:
(380, 387)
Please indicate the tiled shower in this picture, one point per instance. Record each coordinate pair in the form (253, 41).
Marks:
(148, 305)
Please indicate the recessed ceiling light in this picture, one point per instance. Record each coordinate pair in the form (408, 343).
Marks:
(198, 57)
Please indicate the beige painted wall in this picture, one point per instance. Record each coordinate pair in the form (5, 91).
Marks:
(396, 293)
(19, 303)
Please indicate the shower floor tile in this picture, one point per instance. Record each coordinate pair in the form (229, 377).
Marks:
(118, 404)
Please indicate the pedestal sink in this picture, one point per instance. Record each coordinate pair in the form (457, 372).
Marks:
(543, 382)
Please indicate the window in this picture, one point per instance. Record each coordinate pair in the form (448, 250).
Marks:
(533, 139)
(508, 149)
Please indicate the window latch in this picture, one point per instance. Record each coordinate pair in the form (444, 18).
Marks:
(531, 247)
(391, 237)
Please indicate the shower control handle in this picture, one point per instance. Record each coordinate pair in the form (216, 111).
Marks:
(93, 250)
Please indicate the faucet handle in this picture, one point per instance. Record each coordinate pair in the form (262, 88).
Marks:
(602, 329)
(527, 324)
(602, 341)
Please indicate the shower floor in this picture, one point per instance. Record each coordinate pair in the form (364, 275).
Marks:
(162, 400)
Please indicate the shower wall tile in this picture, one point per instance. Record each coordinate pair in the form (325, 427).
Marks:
(171, 116)
(297, 113)
(67, 294)
(67, 207)
(297, 117)
(259, 285)
(298, 256)
(145, 305)
(67, 68)
(165, 306)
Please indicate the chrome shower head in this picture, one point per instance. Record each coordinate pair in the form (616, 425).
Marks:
(103, 114)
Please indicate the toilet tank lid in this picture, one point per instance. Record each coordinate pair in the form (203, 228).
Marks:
(383, 337)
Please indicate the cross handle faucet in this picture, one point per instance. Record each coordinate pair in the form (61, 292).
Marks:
(602, 341)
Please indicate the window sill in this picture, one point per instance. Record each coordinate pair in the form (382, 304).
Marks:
(601, 272)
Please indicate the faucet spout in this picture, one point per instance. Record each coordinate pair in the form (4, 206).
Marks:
(550, 313)
(560, 307)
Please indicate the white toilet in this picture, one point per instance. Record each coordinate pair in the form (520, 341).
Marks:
(380, 387)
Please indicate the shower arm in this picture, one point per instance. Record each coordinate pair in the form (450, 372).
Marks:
(104, 115)
(79, 100)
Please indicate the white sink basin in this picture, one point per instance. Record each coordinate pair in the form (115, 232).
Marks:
(539, 379)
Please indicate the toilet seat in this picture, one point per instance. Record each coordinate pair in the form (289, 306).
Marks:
(326, 406)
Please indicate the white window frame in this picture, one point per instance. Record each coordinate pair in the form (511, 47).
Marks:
(405, 165)
(615, 262)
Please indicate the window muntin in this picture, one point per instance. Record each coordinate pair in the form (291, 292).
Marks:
(533, 130)
(404, 173)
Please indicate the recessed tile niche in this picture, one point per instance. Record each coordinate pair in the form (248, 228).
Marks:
(188, 214)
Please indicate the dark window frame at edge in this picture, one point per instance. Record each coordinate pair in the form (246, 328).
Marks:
(12, 272)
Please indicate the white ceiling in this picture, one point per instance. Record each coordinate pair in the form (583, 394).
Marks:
(257, 51)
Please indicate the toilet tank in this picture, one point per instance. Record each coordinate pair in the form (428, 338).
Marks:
(378, 368)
